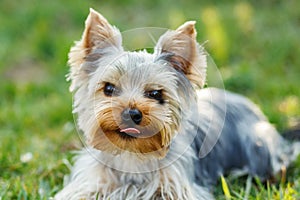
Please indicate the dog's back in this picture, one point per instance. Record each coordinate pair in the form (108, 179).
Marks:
(234, 136)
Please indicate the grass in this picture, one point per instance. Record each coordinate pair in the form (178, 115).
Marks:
(254, 44)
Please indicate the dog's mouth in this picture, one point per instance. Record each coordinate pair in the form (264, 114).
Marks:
(135, 139)
(134, 132)
(128, 133)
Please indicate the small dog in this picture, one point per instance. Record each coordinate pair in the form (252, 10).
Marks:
(152, 131)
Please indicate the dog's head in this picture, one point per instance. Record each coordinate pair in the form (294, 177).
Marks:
(133, 101)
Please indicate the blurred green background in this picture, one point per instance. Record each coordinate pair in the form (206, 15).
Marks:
(255, 44)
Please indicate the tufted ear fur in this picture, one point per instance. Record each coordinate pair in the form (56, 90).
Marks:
(98, 39)
(180, 49)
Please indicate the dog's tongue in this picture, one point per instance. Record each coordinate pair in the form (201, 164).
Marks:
(130, 130)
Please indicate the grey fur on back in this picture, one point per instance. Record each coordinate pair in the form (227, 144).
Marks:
(247, 143)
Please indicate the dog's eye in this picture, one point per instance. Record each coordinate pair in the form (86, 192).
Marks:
(155, 94)
(109, 89)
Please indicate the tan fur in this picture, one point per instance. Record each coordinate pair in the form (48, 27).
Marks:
(154, 141)
(98, 33)
(186, 55)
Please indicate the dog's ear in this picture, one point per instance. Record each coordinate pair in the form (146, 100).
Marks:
(180, 49)
(99, 39)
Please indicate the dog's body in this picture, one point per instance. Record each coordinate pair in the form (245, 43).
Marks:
(150, 133)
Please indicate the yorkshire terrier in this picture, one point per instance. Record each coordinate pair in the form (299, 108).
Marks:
(151, 128)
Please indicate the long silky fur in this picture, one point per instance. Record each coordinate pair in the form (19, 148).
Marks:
(206, 132)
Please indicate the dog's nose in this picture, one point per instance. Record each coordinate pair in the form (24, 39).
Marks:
(132, 114)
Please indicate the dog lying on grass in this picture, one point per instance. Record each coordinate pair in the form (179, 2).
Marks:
(152, 130)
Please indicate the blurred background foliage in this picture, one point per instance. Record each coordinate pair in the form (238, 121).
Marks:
(255, 44)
